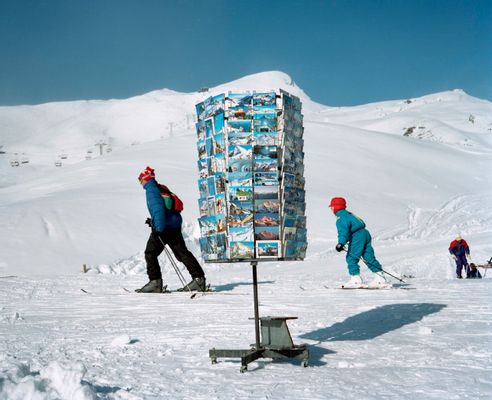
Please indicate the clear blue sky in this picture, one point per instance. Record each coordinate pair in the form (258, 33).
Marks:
(339, 52)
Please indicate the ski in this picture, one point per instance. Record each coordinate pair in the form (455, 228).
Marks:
(192, 294)
(366, 287)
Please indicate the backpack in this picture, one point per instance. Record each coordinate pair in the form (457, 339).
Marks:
(171, 200)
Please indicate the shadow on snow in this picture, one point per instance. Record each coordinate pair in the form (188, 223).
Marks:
(374, 323)
(231, 286)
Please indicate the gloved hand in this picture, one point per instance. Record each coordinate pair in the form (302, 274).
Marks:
(339, 247)
(148, 222)
(454, 257)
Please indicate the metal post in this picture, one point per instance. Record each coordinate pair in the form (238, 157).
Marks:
(255, 299)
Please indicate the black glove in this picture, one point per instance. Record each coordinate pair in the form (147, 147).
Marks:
(339, 247)
(148, 222)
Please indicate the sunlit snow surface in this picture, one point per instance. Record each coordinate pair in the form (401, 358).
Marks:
(430, 339)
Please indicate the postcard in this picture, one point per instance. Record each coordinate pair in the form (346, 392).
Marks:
(290, 249)
(240, 152)
(219, 123)
(267, 233)
(301, 235)
(202, 150)
(266, 219)
(218, 163)
(221, 222)
(220, 182)
(240, 219)
(220, 204)
(211, 185)
(208, 225)
(265, 122)
(265, 152)
(266, 179)
(200, 129)
(240, 207)
(240, 165)
(240, 138)
(240, 179)
(265, 165)
(268, 249)
(209, 128)
(209, 145)
(219, 143)
(265, 99)
(203, 207)
(239, 125)
(242, 250)
(240, 193)
(266, 138)
(267, 206)
(239, 99)
(289, 234)
(203, 187)
(266, 192)
(211, 205)
(241, 234)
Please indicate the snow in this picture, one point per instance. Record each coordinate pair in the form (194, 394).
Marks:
(429, 339)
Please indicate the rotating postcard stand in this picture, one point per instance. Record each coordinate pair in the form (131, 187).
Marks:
(252, 199)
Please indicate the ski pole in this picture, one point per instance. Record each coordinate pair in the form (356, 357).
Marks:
(176, 269)
(381, 269)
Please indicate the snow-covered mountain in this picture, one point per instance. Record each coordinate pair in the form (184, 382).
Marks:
(91, 211)
(417, 171)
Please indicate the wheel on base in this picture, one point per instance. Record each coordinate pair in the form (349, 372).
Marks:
(304, 363)
(214, 360)
(243, 369)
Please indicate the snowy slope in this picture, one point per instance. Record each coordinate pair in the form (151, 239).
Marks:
(414, 192)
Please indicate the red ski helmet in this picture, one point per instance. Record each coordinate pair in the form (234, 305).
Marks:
(146, 175)
(337, 204)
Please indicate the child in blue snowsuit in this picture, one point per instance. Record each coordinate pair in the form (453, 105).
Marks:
(352, 230)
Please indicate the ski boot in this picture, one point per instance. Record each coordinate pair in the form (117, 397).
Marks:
(379, 281)
(354, 282)
(196, 284)
(154, 286)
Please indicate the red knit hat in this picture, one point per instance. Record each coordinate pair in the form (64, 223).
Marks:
(337, 204)
(146, 175)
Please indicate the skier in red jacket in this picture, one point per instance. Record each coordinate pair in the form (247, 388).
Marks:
(459, 249)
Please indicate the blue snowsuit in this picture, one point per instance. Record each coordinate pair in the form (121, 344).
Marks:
(351, 229)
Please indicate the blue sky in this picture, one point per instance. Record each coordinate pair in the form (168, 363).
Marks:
(339, 52)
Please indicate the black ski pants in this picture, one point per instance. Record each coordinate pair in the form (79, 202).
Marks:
(174, 239)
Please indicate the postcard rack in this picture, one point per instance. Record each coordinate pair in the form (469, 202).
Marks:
(251, 177)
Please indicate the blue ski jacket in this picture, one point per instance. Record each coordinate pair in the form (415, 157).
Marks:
(347, 225)
(162, 218)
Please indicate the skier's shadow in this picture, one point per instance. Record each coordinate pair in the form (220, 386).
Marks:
(374, 323)
(231, 286)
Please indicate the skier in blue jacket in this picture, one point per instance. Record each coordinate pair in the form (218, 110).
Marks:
(352, 230)
(166, 229)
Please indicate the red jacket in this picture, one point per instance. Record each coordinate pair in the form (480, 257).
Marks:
(459, 247)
